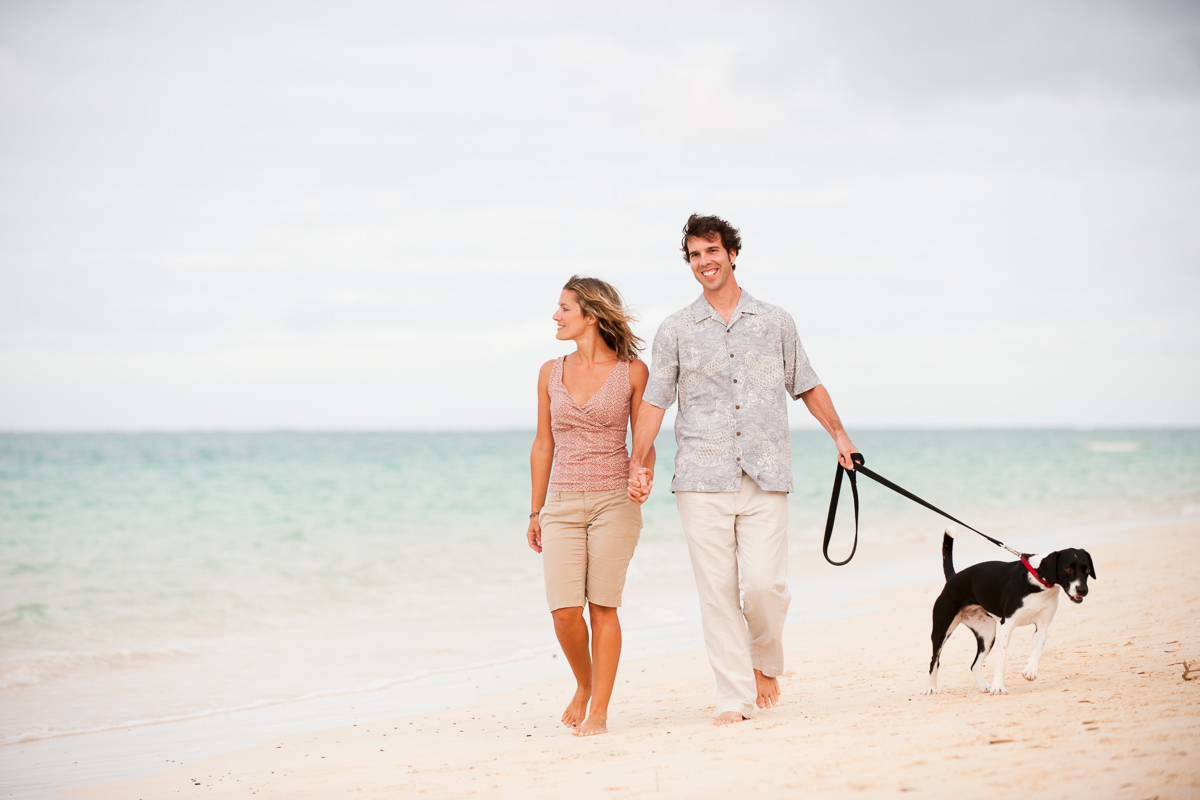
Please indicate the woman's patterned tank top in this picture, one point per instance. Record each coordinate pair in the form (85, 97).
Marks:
(589, 440)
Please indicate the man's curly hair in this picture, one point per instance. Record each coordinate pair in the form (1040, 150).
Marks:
(710, 228)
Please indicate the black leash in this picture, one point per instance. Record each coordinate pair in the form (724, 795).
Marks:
(859, 462)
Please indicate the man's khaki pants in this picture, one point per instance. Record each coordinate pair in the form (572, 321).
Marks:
(738, 544)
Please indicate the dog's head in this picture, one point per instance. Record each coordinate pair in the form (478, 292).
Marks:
(1070, 569)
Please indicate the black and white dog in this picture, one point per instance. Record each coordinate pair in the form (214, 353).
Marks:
(1009, 594)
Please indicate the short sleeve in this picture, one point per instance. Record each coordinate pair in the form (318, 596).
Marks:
(664, 367)
(798, 374)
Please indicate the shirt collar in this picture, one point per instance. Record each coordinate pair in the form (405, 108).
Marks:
(701, 310)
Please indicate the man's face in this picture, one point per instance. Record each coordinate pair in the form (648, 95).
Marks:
(711, 263)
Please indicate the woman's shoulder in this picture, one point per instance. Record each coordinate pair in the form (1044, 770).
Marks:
(638, 369)
(546, 369)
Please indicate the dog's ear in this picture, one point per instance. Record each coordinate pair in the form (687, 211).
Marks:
(1048, 569)
(1091, 571)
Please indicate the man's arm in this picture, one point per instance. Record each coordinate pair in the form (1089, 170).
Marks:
(820, 405)
(647, 419)
(641, 470)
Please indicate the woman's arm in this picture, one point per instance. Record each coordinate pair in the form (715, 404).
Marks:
(541, 459)
(639, 373)
(644, 423)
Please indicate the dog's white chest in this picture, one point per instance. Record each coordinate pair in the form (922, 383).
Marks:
(1038, 607)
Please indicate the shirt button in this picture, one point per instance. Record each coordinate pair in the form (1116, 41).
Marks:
(739, 433)
(731, 355)
(735, 380)
(735, 408)
(739, 458)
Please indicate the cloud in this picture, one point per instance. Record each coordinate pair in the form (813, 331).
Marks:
(264, 214)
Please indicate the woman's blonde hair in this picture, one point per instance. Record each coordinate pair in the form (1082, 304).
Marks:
(600, 300)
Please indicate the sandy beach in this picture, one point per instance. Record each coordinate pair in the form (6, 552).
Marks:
(1112, 715)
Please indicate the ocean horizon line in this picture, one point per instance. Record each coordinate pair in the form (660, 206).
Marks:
(267, 430)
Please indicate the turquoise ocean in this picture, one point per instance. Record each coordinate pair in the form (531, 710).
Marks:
(152, 580)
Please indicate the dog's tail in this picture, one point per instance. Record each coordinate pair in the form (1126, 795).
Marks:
(948, 555)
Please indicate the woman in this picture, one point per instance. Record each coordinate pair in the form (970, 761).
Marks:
(583, 522)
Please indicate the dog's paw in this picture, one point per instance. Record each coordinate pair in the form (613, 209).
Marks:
(1029, 674)
(929, 691)
(998, 690)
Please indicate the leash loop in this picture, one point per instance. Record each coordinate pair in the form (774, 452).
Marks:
(860, 466)
(858, 459)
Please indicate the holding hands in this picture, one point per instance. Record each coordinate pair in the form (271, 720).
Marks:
(641, 481)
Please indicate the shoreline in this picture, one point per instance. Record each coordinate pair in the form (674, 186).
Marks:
(126, 751)
(1110, 714)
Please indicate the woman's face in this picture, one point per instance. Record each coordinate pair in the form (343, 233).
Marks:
(572, 322)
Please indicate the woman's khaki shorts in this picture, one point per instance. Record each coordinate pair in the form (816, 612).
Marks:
(587, 541)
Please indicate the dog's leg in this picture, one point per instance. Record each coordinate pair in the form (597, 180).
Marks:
(1041, 630)
(983, 647)
(983, 625)
(939, 641)
(1002, 637)
(945, 619)
(984, 628)
(1030, 672)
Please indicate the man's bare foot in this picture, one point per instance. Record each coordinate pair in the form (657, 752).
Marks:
(593, 725)
(577, 708)
(728, 718)
(768, 690)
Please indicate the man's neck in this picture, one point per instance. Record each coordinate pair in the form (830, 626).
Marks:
(725, 301)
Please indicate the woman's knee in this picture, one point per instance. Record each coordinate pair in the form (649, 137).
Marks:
(602, 615)
(567, 616)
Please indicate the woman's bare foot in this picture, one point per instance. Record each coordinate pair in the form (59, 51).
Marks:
(728, 718)
(577, 708)
(593, 725)
(768, 690)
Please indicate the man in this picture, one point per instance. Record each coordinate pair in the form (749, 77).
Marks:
(733, 361)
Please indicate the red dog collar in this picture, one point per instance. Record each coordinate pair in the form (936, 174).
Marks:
(1034, 572)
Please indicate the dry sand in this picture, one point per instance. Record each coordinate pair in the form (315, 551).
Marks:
(1111, 716)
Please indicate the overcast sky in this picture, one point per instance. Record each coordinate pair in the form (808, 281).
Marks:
(242, 215)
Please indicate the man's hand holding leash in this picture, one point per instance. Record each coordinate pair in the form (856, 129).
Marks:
(846, 450)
